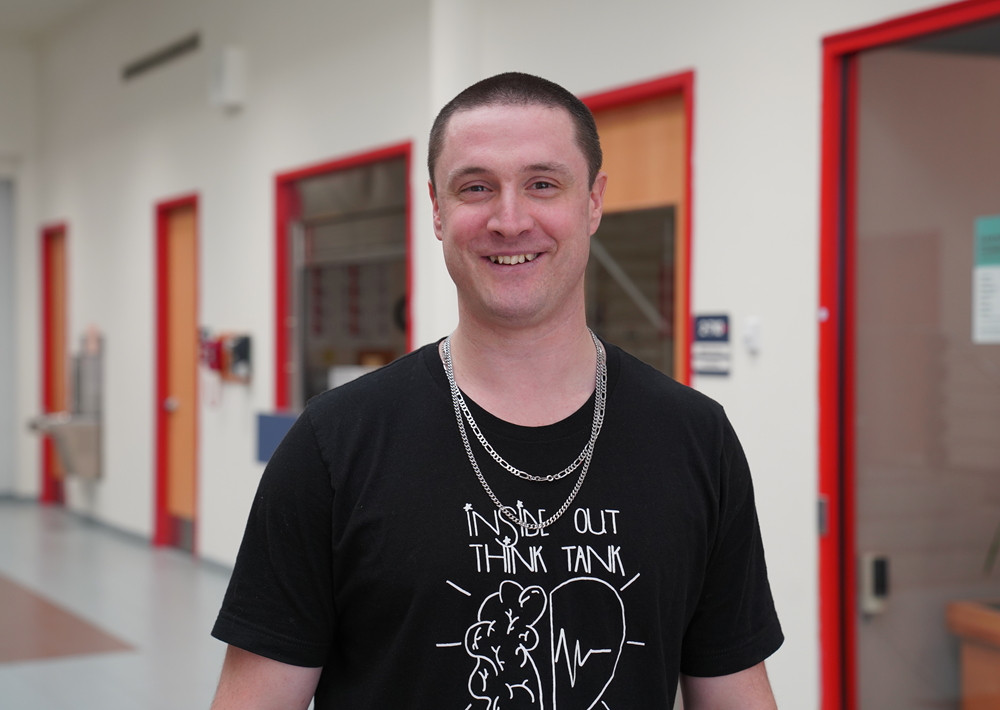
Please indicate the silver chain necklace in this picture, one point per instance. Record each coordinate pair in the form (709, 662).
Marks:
(462, 413)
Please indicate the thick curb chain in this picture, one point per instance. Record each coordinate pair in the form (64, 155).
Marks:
(462, 413)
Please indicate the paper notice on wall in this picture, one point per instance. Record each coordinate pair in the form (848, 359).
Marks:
(986, 281)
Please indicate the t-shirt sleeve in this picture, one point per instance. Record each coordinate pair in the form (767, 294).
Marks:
(734, 626)
(279, 603)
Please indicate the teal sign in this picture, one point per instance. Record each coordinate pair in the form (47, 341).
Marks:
(988, 241)
(986, 281)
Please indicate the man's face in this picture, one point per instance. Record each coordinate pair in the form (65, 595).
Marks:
(515, 213)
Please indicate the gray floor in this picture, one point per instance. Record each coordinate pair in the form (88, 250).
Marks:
(160, 601)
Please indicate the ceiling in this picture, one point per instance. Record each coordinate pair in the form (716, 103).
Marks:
(27, 18)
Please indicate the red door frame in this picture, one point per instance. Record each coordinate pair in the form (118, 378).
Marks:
(683, 84)
(52, 490)
(286, 209)
(836, 330)
(163, 533)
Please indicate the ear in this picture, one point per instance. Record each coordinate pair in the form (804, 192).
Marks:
(597, 201)
(437, 210)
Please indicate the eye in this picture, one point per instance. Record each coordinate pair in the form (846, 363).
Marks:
(541, 185)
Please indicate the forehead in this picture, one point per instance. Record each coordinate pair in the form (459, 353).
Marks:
(496, 137)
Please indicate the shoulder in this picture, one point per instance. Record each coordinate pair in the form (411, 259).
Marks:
(390, 405)
(363, 425)
(649, 392)
(403, 378)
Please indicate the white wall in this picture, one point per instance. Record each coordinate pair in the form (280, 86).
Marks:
(330, 79)
(325, 80)
(8, 409)
(17, 114)
(18, 262)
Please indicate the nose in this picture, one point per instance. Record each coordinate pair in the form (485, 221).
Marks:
(511, 216)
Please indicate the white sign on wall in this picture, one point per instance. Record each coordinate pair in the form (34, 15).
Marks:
(986, 281)
(711, 352)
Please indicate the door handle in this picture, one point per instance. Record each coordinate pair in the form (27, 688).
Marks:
(171, 404)
(874, 583)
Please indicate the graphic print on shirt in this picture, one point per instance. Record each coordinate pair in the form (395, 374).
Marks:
(584, 654)
(501, 641)
(538, 648)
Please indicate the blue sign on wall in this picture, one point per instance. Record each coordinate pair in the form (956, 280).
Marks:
(711, 352)
(271, 429)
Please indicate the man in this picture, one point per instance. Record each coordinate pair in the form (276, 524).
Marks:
(521, 516)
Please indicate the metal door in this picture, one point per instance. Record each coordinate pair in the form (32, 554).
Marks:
(926, 429)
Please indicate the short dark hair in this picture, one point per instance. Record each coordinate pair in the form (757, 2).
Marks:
(517, 89)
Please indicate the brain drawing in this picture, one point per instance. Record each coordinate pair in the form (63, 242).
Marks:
(501, 642)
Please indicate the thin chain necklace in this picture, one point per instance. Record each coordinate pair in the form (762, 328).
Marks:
(463, 413)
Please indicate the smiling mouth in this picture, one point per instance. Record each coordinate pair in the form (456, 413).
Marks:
(515, 259)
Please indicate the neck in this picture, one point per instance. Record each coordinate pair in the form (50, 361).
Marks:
(530, 376)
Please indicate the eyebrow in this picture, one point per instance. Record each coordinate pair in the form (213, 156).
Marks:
(465, 172)
(546, 168)
(533, 168)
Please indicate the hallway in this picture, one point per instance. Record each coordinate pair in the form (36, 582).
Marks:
(91, 618)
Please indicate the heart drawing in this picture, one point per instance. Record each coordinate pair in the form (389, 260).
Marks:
(587, 628)
(586, 637)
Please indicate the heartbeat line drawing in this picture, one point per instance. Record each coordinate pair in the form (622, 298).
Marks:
(586, 638)
(584, 612)
(578, 661)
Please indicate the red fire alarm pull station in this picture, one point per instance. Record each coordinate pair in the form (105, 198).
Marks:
(229, 354)
(211, 351)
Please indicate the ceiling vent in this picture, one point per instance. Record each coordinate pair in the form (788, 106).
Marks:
(167, 54)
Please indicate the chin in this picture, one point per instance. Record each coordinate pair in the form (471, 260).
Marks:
(517, 316)
(509, 312)
(526, 307)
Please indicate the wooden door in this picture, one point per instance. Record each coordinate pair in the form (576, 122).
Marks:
(637, 284)
(55, 376)
(178, 400)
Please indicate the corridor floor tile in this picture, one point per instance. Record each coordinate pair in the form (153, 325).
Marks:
(158, 605)
(32, 627)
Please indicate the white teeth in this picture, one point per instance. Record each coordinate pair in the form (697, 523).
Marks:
(516, 259)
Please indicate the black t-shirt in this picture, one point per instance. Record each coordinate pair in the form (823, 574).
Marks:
(373, 550)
